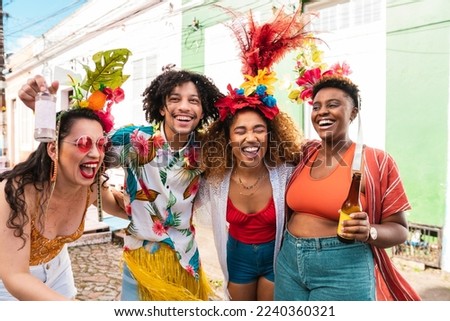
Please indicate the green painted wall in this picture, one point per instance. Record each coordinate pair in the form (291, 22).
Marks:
(417, 102)
(208, 15)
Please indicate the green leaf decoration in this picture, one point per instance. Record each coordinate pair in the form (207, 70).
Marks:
(190, 245)
(108, 70)
(172, 200)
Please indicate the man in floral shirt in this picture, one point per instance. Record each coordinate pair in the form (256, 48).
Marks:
(161, 259)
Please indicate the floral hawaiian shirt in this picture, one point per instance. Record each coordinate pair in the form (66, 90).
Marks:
(160, 186)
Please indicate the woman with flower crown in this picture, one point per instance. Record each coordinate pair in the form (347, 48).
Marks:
(249, 158)
(313, 263)
(249, 154)
(44, 199)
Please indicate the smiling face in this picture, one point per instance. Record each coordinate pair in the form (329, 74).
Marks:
(248, 138)
(75, 165)
(332, 112)
(182, 112)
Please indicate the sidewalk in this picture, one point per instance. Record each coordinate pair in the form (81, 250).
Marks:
(97, 271)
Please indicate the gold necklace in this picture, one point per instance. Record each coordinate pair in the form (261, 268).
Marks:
(254, 185)
(251, 186)
(249, 194)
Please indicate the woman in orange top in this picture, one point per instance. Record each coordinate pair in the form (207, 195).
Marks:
(313, 264)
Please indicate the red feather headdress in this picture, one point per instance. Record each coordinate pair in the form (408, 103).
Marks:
(261, 47)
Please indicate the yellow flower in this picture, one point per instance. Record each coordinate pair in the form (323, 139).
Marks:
(316, 57)
(84, 104)
(310, 40)
(294, 95)
(263, 78)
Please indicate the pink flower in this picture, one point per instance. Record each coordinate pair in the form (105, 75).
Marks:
(113, 96)
(308, 79)
(190, 270)
(108, 92)
(118, 95)
(139, 143)
(191, 156)
(107, 120)
(158, 228)
(343, 69)
(228, 105)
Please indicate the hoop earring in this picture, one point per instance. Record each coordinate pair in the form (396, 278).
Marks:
(53, 171)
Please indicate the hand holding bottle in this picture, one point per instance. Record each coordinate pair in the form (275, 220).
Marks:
(357, 227)
(29, 91)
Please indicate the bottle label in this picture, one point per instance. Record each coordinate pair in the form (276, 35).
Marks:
(342, 217)
(45, 114)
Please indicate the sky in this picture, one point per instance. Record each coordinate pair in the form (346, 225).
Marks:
(28, 19)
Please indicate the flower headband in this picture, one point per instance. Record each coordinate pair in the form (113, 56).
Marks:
(101, 87)
(311, 71)
(262, 46)
(259, 96)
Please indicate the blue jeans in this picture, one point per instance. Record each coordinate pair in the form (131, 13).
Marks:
(130, 290)
(247, 262)
(324, 269)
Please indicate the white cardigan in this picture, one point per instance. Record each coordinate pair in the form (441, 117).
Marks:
(211, 205)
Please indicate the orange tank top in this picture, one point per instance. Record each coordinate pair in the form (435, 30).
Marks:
(322, 197)
(43, 249)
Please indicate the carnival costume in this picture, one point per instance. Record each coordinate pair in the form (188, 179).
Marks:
(261, 47)
(160, 184)
(100, 89)
(384, 191)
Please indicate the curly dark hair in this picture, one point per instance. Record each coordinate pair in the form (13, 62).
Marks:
(160, 88)
(35, 170)
(284, 144)
(341, 83)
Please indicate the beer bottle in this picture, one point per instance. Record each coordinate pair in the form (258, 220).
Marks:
(351, 204)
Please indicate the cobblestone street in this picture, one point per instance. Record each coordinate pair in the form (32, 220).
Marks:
(97, 271)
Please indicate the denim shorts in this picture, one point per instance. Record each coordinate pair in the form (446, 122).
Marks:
(324, 269)
(247, 262)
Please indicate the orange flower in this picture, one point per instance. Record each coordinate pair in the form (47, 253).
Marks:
(97, 100)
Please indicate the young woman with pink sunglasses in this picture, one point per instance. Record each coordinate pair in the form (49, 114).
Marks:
(43, 203)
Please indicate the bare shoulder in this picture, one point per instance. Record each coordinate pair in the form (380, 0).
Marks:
(3, 203)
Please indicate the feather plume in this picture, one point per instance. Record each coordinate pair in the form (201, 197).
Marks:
(261, 46)
(271, 41)
(264, 45)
